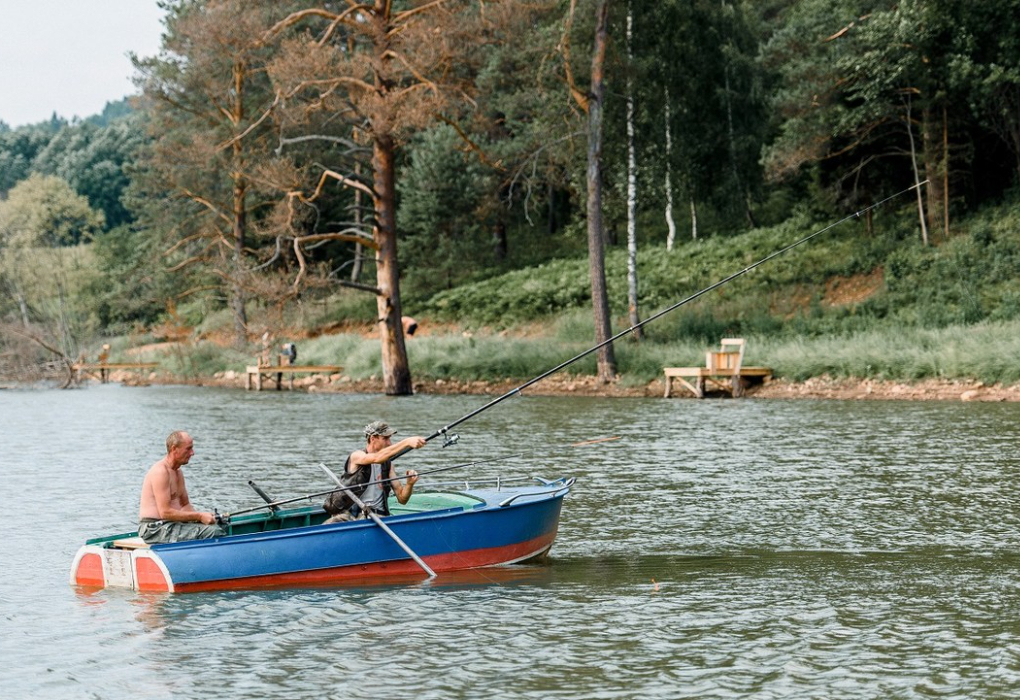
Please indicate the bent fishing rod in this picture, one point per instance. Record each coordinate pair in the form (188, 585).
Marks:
(273, 505)
(452, 439)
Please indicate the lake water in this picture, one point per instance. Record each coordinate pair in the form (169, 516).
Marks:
(716, 549)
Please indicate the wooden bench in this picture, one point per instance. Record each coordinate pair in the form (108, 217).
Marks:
(723, 370)
(130, 543)
(255, 373)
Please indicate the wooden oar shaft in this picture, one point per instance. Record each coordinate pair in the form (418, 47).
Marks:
(378, 521)
(319, 494)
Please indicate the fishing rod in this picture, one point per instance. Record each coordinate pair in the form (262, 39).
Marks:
(274, 505)
(452, 439)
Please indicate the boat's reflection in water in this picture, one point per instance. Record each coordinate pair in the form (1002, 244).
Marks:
(158, 611)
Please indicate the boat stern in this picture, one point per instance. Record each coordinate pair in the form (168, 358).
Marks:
(120, 564)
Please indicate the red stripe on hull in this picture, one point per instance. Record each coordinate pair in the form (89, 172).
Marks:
(90, 571)
(404, 568)
(148, 575)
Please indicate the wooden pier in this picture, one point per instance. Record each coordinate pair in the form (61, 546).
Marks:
(256, 373)
(723, 370)
(103, 369)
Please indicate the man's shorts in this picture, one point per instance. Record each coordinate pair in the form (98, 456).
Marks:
(164, 531)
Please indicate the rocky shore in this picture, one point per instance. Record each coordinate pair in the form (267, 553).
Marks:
(567, 385)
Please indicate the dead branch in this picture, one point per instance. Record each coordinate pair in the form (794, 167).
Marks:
(351, 146)
(579, 95)
(338, 236)
(359, 285)
(484, 159)
(401, 16)
(67, 361)
(265, 115)
(296, 17)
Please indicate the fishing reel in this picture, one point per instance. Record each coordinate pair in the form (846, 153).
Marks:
(450, 439)
(222, 519)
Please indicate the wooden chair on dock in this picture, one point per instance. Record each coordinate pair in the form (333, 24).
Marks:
(724, 369)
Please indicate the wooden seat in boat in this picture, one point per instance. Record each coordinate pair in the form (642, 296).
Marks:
(130, 543)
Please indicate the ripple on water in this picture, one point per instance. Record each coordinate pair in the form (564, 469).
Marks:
(716, 549)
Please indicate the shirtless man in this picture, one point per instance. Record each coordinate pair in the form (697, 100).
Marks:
(165, 513)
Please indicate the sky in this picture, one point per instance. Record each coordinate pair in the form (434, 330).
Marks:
(70, 56)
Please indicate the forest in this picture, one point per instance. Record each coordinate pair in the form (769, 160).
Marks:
(301, 167)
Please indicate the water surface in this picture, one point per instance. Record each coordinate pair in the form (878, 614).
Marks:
(718, 548)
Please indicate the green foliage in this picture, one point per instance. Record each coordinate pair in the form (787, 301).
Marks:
(93, 156)
(44, 210)
(95, 160)
(516, 296)
(128, 289)
(442, 193)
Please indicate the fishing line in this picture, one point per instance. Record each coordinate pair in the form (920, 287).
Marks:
(320, 494)
(452, 439)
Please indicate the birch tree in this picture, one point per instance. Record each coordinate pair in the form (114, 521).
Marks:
(632, 275)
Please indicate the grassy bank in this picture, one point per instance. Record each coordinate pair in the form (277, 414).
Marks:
(853, 303)
(983, 352)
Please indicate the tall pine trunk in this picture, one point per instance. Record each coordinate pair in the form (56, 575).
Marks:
(359, 251)
(395, 368)
(606, 358)
(239, 214)
(738, 181)
(917, 175)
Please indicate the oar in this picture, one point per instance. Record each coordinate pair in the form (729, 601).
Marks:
(451, 439)
(320, 494)
(379, 522)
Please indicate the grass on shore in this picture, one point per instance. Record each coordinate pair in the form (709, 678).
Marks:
(983, 352)
(853, 304)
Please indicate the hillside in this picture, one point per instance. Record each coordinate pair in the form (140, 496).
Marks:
(847, 307)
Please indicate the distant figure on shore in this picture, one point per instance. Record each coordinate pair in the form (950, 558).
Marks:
(410, 325)
(165, 513)
(267, 341)
(290, 352)
(104, 355)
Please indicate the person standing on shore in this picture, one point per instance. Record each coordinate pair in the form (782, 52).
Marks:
(165, 513)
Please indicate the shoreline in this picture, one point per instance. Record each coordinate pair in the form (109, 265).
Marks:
(815, 388)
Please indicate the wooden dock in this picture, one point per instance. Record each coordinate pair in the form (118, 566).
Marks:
(723, 370)
(103, 369)
(256, 373)
(699, 380)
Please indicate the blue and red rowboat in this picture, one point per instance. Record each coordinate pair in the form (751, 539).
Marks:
(451, 531)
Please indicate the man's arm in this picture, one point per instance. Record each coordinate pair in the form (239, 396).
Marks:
(360, 457)
(403, 490)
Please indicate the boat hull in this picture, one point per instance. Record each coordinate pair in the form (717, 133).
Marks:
(451, 539)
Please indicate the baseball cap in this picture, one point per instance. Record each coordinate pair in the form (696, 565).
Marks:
(380, 428)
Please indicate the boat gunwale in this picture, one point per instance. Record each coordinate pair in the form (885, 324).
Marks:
(487, 501)
(352, 525)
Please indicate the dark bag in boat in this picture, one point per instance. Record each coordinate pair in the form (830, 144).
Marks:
(341, 501)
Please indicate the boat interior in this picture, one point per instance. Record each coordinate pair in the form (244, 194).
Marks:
(283, 519)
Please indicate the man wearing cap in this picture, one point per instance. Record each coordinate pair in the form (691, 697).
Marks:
(371, 465)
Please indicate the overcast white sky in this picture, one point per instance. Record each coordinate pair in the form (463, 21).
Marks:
(70, 56)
